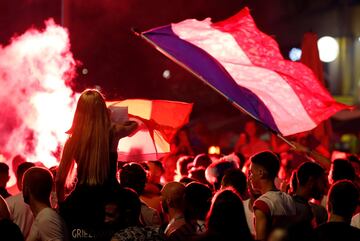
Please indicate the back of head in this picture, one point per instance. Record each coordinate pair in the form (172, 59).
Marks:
(186, 180)
(343, 199)
(198, 174)
(16, 161)
(215, 172)
(90, 110)
(173, 195)
(129, 207)
(37, 182)
(197, 200)
(157, 164)
(182, 165)
(155, 171)
(227, 216)
(23, 167)
(4, 174)
(133, 175)
(236, 179)
(202, 160)
(54, 170)
(354, 160)
(10, 231)
(89, 141)
(269, 161)
(342, 170)
(232, 158)
(241, 158)
(309, 170)
(4, 169)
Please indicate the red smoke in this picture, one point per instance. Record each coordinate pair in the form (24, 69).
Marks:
(36, 103)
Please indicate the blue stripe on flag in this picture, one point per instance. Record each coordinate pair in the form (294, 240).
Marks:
(210, 70)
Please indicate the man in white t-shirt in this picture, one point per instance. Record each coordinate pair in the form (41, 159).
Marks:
(273, 208)
(48, 225)
(20, 212)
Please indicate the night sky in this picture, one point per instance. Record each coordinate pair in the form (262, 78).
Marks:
(125, 66)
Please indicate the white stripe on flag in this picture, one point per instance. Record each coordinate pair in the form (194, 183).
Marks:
(283, 103)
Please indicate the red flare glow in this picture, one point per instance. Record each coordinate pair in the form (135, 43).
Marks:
(36, 102)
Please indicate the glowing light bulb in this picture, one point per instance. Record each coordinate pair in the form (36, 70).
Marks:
(328, 49)
(214, 150)
(295, 54)
(166, 74)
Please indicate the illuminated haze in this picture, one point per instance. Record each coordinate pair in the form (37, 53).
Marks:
(36, 102)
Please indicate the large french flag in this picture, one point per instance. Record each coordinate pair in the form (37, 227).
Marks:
(246, 66)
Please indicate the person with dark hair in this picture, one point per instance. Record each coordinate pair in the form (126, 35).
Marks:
(311, 183)
(156, 170)
(198, 175)
(226, 218)
(236, 179)
(241, 158)
(151, 194)
(20, 212)
(341, 169)
(10, 231)
(273, 208)
(342, 201)
(48, 225)
(202, 160)
(197, 204)
(133, 175)
(173, 205)
(16, 161)
(4, 178)
(355, 162)
(197, 200)
(125, 215)
(186, 180)
(182, 169)
(216, 171)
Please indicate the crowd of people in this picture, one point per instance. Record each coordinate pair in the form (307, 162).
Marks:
(255, 193)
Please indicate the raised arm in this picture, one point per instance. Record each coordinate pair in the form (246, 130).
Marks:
(314, 154)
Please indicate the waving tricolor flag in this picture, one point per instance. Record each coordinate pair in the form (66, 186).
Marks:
(158, 121)
(246, 66)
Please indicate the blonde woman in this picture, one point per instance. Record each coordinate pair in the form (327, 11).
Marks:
(92, 148)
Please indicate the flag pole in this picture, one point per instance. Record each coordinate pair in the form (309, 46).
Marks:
(236, 105)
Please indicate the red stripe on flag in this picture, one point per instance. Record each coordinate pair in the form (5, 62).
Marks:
(263, 51)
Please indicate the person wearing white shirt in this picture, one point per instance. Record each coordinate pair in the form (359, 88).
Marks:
(48, 225)
(20, 212)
